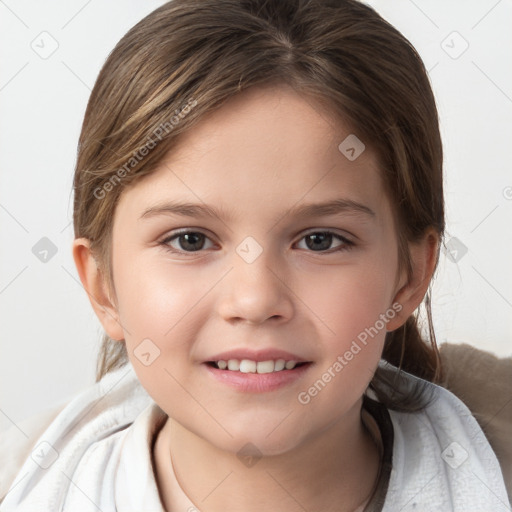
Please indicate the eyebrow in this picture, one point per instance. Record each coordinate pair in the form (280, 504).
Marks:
(333, 207)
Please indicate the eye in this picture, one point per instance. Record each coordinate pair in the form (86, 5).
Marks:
(188, 241)
(316, 241)
(319, 241)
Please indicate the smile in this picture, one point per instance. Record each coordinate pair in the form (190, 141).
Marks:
(250, 366)
(249, 376)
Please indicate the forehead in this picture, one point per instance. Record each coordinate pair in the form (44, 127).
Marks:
(266, 149)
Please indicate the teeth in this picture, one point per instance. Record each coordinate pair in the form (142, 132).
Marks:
(265, 367)
(248, 366)
(279, 365)
(233, 365)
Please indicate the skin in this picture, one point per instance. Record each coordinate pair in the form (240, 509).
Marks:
(261, 154)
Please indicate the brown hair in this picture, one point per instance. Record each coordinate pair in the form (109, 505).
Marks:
(202, 52)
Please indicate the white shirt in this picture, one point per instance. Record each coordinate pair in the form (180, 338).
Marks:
(97, 454)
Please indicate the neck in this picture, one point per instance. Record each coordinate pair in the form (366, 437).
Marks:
(336, 470)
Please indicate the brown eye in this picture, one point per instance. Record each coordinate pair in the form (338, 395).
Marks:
(187, 241)
(321, 241)
(191, 241)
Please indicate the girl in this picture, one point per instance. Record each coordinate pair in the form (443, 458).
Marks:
(258, 213)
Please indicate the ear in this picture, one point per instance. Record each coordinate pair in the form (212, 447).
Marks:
(411, 293)
(96, 288)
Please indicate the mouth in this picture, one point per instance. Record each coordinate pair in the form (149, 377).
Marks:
(262, 376)
(259, 367)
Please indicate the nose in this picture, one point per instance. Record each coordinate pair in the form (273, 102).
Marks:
(257, 291)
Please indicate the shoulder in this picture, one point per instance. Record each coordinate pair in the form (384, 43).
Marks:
(441, 458)
(483, 382)
(18, 441)
(67, 432)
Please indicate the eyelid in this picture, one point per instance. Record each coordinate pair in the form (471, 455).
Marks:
(346, 235)
(341, 233)
(181, 231)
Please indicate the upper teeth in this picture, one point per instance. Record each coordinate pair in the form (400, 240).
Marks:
(248, 366)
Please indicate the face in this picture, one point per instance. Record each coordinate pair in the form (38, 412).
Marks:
(254, 270)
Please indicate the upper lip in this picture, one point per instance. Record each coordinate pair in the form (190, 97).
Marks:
(257, 355)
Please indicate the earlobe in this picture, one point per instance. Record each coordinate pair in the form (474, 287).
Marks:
(96, 287)
(423, 260)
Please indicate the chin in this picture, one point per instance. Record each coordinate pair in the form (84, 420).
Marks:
(259, 440)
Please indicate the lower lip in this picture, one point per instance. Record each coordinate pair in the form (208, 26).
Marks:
(258, 382)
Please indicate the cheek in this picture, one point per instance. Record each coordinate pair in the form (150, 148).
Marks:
(154, 298)
(353, 314)
(160, 308)
(350, 299)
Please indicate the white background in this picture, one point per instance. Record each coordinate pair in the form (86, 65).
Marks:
(49, 333)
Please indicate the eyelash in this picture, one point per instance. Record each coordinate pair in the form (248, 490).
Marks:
(347, 244)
